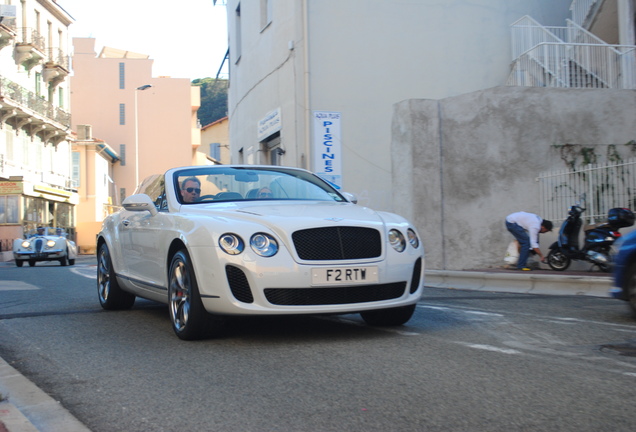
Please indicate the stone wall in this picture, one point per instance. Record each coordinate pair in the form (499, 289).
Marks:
(461, 164)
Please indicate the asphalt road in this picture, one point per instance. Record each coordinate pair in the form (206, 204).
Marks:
(467, 361)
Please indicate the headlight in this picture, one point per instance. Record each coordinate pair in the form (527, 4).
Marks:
(415, 242)
(25, 244)
(50, 243)
(264, 244)
(231, 244)
(396, 239)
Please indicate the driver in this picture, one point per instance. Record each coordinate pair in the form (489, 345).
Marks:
(190, 190)
(40, 230)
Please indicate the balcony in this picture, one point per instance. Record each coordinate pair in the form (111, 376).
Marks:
(24, 109)
(8, 31)
(56, 68)
(30, 50)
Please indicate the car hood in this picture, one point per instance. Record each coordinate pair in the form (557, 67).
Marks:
(295, 215)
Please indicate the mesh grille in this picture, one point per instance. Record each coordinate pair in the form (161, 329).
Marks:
(328, 296)
(337, 243)
(417, 274)
(239, 285)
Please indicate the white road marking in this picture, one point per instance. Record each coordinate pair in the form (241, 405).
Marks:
(89, 271)
(490, 348)
(16, 286)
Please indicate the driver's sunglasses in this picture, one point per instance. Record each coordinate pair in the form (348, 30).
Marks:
(195, 190)
(265, 195)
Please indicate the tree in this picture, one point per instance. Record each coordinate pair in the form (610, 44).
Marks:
(213, 99)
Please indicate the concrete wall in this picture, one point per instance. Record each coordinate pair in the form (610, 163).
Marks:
(461, 164)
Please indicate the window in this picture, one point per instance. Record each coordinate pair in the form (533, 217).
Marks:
(38, 84)
(237, 44)
(122, 75)
(9, 209)
(122, 154)
(154, 187)
(266, 13)
(60, 94)
(215, 151)
(75, 168)
(122, 114)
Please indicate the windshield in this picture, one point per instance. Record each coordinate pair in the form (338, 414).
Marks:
(214, 184)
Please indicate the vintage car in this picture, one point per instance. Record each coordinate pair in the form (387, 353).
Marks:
(225, 240)
(44, 244)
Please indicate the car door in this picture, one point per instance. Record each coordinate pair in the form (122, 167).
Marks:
(147, 240)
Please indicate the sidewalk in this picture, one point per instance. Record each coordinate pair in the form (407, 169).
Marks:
(29, 409)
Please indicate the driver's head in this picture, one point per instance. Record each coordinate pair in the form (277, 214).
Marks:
(40, 230)
(190, 189)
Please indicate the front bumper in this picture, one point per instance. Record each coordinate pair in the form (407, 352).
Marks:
(247, 285)
(39, 256)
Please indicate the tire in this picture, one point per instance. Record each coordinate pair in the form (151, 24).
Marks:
(190, 320)
(557, 260)
(19, 263)
(629, 287)
(31, 263)
(64, 260)
(71, 262)
(110, 294)
(388, 317)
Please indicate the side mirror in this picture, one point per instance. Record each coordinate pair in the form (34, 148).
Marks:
(140, 202)
(350, 197)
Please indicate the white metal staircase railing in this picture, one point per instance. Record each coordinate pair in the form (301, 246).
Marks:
(569, 57)
(580, 10)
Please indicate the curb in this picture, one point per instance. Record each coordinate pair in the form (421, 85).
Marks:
(28, 408)
(513, 282)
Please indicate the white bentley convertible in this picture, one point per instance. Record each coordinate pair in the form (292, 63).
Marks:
(256, 240)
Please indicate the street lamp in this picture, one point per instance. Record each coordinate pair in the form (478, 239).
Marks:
(142, 88)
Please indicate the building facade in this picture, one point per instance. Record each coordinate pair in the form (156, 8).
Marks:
(313, 82)
(150, 122)
(35, 154)
(215, 141)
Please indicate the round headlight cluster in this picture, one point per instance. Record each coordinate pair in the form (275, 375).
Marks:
(50, 243)
(398, 242)
(26, 244)
(263, 244)
(231, 244)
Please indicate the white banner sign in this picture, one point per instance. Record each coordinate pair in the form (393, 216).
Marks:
(327, 146)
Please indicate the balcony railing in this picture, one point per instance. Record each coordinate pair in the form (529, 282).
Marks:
(58, 57)
(28, 99)
(32, 37)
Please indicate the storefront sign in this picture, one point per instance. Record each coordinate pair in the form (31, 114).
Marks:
(327, 146)
(11, 187)
(269, 124)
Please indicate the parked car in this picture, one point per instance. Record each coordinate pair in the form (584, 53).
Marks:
(44, 244)
(624, 273)
(256, 240)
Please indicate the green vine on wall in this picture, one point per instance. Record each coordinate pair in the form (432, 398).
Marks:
(576, 155)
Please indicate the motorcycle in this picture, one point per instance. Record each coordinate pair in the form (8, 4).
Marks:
(597, 242)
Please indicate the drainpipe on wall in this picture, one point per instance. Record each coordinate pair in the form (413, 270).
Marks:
(308, 157)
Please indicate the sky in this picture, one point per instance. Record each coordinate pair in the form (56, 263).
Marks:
(185, 38)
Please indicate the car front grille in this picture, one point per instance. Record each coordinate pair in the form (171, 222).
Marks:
(336, 295)
(239, 285)
(337, 243)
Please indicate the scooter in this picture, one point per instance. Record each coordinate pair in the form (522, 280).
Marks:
(598, 240)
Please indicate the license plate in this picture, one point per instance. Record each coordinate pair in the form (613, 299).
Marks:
(344, 275)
